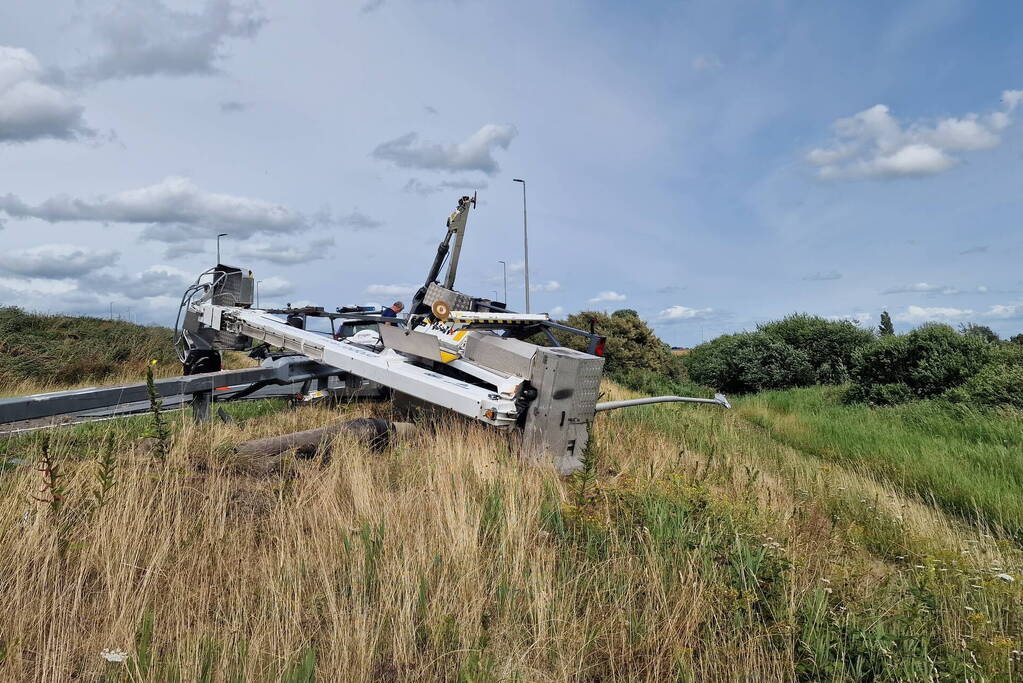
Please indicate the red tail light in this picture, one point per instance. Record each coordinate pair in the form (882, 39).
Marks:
(598, 349)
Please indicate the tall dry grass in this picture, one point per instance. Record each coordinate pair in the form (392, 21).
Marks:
(704, 554)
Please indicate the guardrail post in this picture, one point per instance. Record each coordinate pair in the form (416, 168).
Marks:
(201, 401)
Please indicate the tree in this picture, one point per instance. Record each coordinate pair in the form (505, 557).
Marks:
(631, 344)
(1017, 339)
(829, 345)
(885, 328)
(927, 362)
(982, 331)
(749, 362)
(625, 313)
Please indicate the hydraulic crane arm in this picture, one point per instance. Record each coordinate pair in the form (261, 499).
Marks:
(387, 367)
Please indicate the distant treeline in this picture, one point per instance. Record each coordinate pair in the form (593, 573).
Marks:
(968, 365)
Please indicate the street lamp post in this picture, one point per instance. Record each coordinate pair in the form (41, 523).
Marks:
(505, 266)
(257, 293)
(223, 234)
(525, 238)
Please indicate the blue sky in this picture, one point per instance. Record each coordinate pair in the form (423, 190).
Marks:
(709, 164)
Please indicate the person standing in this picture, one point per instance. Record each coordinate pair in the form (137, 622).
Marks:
(393, 310)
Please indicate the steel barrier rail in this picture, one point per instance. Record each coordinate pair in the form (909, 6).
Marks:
(201, 386)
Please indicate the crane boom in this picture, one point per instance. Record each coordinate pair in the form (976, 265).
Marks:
(386, 367)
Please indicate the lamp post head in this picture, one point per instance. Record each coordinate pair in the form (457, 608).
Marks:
(518, 180)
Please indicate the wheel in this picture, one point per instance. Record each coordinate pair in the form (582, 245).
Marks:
(202, 360)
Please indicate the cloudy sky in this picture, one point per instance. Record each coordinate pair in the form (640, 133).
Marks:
(710, 164)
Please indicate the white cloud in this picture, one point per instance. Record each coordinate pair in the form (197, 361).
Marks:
(926, 288)
(1004, 311)
(706, 63)
(549, 286)
(56, 261)
(150, 295)
(609, 296)
(391, 290)
(1012, 98)
(474, 154)
(147, 38)
(287, 254)
(916, 159)
(358, 221)
(823, 275)
(414, 185)
(38, 287)
(924, 314)
(31, 108)
(175, 210)
(178, 249)
(556, 311)
(275, 286)
(233, 107)
(858, 318)
(155, 281)
(684, 313)
(921, 288)
(873, 143)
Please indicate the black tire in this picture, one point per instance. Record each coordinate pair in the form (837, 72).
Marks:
(200, 361)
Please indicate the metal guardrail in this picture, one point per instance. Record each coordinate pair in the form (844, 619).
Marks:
(201, 387)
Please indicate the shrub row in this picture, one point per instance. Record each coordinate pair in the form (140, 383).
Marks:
(969, 366)
(937, 361)
(798, 350)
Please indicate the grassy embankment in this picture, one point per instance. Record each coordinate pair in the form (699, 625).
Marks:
(49, 352)
(966, 461)
(699, 544)
(695, 546)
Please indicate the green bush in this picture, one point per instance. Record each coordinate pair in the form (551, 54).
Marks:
(880, 394)
(994, 385)
(749, 362)
(884, 361)
(829, 345)
(998, 383)
(797, 350)
(631, 344)
(929, 361)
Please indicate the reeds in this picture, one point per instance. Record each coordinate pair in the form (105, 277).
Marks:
(694, 548)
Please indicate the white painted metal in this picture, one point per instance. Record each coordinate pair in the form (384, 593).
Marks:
(386, 367)
(475, 316)
(507, 385)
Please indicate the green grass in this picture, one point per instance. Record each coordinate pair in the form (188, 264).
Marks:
(969, 462)
(907, 597)
(697, 544)
(67, 350)
(86, 440)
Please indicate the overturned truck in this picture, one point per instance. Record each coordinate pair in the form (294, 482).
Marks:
(450, 350)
